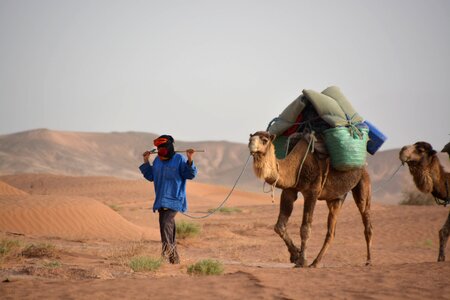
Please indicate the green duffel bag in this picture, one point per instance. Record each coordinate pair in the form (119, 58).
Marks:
(347, 147)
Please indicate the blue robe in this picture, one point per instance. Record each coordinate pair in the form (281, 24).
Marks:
(169, 177)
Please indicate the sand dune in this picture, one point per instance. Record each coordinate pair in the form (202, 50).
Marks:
(7, 190)
(72, 218)
(74, 208)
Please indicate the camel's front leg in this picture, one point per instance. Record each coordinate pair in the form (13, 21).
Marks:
(334, 207)
(286, 206)
(305, 229)
(443, 237)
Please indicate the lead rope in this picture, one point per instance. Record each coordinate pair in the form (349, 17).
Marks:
(390, 178)
(226, 198)
(272, 186)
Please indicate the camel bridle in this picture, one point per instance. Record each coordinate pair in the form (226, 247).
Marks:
(445, 201)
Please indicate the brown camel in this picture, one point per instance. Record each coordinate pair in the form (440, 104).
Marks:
(316, 181)
(429, 177)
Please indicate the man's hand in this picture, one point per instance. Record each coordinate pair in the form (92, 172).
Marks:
(190, 155)
(146, 156)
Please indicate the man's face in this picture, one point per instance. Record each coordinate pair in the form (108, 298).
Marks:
(162, 151)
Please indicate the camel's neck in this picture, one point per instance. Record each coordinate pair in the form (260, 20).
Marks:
(283, 172)
(430, 178)
(265, 165)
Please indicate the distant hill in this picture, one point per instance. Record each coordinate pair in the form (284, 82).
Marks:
(115, 154)
(120, 153)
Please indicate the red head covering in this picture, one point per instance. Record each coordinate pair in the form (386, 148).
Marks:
(164, 143)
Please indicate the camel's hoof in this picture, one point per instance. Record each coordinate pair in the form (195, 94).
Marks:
(301, 263)
(298, 266)
(313, 265)
(441, 258)
(368, 263)
(295, 256)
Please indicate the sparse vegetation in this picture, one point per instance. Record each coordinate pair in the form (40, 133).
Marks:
(187, 229)
(226, 210)
(206, 267)
(144, 263)
(122, 254)
(53, 264)
(428, 243)
(9, 248)
(114, 207)
(39, 250)
(415, 197)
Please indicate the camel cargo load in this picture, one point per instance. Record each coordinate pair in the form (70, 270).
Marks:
(330, 123)
(376, 138)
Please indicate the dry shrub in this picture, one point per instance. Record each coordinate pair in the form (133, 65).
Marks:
(122, 254)
(226, 210)
(10, 249)
(187, 229)
(59, 272)
(53, 264)
(39, 250)
(144, 263)
(115, 207)
(206, 267)
(416, 197)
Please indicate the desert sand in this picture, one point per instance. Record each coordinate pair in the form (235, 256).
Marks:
(96, 224)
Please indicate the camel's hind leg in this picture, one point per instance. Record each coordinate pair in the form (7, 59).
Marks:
(286, 206)
(334, 207)
(443, 237)
(362, 196)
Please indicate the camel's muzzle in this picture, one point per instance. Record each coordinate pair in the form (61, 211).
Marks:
(253, 153)
(403, 156)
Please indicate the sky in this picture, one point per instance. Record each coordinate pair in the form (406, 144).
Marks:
(220, 70)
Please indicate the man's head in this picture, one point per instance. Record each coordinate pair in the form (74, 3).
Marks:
(164, 144)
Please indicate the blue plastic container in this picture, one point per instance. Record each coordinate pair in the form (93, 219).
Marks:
(376, 138)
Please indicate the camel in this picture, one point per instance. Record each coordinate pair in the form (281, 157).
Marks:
(316, 181)
(446, 149)
(429, 177)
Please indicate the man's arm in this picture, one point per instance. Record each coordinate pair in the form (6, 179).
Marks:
(146, 168)
(189, 170)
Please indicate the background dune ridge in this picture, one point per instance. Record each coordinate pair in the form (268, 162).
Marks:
(7, 190)
(118, 154)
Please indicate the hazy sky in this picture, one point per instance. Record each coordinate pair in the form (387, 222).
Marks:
(219, 70)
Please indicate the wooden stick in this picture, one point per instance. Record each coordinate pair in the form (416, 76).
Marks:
(199, 150)
(192, 149)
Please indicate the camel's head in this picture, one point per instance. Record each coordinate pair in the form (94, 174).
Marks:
(446, 149)
(259, 142)
(419, 153)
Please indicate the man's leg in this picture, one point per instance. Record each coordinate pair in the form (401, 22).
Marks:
(168, 232)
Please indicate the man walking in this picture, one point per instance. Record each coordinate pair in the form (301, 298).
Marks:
(169, 173)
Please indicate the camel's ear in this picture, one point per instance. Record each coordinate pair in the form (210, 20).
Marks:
(251, 135)
(272, 137)
(432, 152)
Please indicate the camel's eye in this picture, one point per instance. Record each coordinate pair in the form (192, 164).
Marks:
(264, 141)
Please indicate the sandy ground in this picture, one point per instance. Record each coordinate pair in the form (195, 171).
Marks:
(96, 224)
